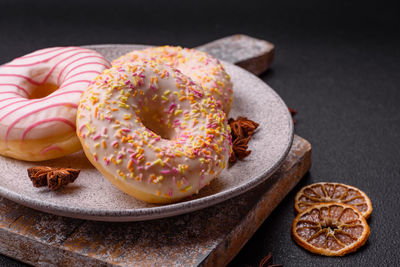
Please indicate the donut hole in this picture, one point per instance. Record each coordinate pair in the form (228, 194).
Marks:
(42, 90)
(151, 120)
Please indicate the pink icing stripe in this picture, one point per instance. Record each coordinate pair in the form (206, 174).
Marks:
(11, 92)
(16, 85)
(36, 111)
(48, 74)
(5, 99)
(58, 63)
(33, 125)
(34, 102)
(21, 76)
(52, 147)
(61, 61)
(78, 81)
(42, 53)
(25, 100)
(74, 68)
(44, 60)
(83, 72)
(79, 59)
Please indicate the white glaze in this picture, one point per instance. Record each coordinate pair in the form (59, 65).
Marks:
(114, 117)
(201, 67)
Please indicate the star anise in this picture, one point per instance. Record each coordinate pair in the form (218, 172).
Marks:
(241, 131)
(54, 178)
(239, 147)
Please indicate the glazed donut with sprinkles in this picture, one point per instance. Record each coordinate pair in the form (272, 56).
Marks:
(39, 95)
(152, 131)
(201, 67)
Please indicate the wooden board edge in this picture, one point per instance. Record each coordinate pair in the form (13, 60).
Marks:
(239, 236)
(258, 57)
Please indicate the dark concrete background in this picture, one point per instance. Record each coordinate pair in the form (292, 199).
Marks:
(337, 63)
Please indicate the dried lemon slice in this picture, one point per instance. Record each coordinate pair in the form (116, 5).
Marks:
(331, 229)
(333, 193)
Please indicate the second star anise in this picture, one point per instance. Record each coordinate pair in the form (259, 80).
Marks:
(54, 178)
(241, 131)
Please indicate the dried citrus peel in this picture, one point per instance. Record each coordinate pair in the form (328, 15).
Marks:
(333, 193)
(331, 229)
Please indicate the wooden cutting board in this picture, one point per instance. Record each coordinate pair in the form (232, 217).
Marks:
(209, 237)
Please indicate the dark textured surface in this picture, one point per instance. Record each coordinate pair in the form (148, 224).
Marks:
(336, 62)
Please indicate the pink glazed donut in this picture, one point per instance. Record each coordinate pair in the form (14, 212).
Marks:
(39, 95)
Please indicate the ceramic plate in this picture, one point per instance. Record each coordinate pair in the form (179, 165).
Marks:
(93, 197)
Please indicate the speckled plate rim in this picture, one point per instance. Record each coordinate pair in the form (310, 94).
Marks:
(142, 214)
